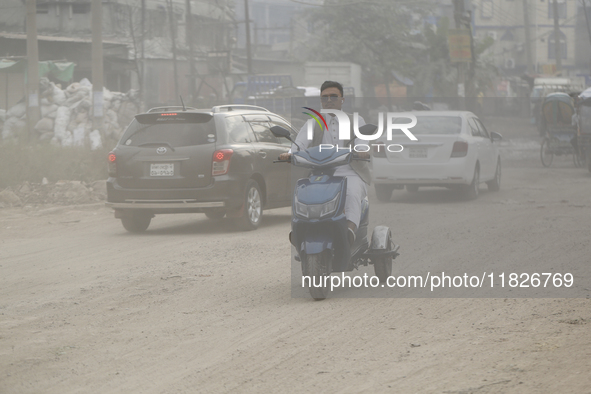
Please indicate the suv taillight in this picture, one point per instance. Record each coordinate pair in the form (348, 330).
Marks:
(221, 161)
(112, 164)
(379, 150)
(460, 149)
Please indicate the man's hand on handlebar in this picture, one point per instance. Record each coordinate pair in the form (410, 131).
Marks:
(285, 157)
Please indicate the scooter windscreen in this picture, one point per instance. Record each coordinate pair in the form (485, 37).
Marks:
(322, 156)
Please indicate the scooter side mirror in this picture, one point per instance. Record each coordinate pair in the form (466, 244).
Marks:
(368, 129)
(280, 132)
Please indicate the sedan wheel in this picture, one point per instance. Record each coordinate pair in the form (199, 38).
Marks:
(471, 191)
(495, 184)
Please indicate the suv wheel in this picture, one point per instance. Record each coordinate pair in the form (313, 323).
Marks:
(252, 211)
(136, 223)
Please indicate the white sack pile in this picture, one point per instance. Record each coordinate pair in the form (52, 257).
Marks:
(59, 193)
(66, 115)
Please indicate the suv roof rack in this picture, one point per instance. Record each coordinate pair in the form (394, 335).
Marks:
(231, 107)
(171, 108)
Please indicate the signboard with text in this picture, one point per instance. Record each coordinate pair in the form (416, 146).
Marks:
(459, 45)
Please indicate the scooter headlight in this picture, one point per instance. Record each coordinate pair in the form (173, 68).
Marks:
(317, 211)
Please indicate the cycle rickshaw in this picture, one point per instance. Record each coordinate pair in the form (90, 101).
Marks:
(584, 128)
(560, 131)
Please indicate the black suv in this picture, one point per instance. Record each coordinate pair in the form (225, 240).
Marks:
(218, 162)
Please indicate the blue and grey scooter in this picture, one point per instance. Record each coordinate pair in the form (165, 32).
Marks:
(319, 227)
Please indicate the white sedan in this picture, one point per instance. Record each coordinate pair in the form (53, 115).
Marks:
(453, 150)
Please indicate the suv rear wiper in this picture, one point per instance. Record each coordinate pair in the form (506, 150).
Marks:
(157, 143)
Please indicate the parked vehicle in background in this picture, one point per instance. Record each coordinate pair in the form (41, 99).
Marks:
(453, 150)
(259, 85)
(544, 86)
(558, 128)
(583, 141)
(218, 162)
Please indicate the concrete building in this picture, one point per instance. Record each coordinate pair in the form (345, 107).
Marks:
(64, 28)
(503, 21)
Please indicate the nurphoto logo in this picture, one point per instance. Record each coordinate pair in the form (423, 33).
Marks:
(345, 129)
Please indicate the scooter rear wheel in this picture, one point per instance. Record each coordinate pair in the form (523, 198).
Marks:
(318, 268)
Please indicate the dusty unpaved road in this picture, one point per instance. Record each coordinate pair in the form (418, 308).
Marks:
(194, 306)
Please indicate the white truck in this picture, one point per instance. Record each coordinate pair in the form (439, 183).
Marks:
(346, 73)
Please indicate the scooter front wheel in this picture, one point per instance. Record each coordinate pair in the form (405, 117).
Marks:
(383, 265)
(318, 269)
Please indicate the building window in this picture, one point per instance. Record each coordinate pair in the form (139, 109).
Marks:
(561, 9)
(43, 8)
(486, 9)
(552, 43)
(80, 8)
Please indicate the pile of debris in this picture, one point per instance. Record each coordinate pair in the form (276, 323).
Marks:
(59, 193)
(66, 115)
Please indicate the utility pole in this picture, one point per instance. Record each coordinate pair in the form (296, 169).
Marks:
(291, 35)
(97, 65)
(33, 111)
(458, 13)
(528, 54)
(587, 18)
(472, 73)
(189, 38)
(248, 50)
(173, 39)
(143, 56)
(557, 45)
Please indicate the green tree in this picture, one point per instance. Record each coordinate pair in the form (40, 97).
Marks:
(436, 75)
(372, 34)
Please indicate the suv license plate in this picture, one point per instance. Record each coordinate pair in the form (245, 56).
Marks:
(162, 169)
(417, 153)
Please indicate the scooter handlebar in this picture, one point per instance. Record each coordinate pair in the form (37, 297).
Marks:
(282, 161)
(357, 159)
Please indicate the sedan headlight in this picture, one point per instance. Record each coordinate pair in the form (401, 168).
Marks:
(317, 211)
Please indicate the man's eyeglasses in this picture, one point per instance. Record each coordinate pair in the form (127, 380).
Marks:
(331, 97)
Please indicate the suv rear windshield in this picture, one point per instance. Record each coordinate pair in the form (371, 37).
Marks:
(433, 125)
(182, 129)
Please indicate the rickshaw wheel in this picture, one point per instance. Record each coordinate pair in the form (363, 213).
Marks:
(578, 159)
(546, 155)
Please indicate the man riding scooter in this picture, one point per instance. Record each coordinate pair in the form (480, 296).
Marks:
(357, 173)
